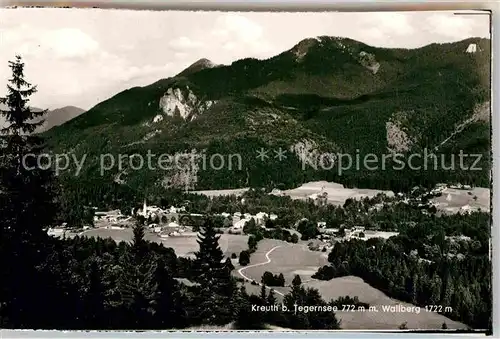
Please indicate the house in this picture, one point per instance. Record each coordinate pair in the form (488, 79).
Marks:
(240, 224)
(173, 224)
(260, 218)
(321, 224)
(273, 216)
(330, 231)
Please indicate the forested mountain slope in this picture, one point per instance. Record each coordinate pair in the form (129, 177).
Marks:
(326, 94)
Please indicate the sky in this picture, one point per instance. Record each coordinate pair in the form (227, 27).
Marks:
(81, 57)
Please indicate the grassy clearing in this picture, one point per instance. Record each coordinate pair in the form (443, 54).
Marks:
(337, 194)
(291, 259)
(459, 198)
(184, 246)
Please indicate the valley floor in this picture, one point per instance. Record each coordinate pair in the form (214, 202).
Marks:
(292, 259)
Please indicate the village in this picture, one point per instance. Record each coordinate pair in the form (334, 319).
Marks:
(164, 223)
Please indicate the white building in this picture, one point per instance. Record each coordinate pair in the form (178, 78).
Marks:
(173, 224)
(260, 218)
(240, 223)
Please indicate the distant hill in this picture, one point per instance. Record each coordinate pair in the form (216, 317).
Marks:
(324, 95)
(61, 115)
(54, 117)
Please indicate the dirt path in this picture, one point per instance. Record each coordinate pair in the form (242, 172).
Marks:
(240, 271)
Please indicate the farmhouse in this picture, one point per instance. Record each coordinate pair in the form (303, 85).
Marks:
(331, 231)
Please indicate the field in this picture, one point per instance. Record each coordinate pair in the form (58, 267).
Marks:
(337, 193)
(453, 199)
(291, 259)
(184, 246)
(354, 286)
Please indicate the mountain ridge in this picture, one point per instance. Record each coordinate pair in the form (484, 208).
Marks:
(324, 95)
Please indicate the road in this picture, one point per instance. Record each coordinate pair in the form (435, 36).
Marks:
(240, 271)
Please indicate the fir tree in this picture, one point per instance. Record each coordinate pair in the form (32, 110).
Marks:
(217, 287)
(281, 280)
(263, 294)
(136, 293)
(139, 246)
(168, 312)
(229, 264)
(244, 258)
(271, 298)
(94, 299)
(296, 280)
(26, 204)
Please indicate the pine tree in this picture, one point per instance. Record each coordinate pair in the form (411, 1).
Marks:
(263, 294)
(27, 190)
(281, 280)
(244, 258)
(296, 280)
(94, 299)
(271, 298)
(168, 311)
(139, 246)
(26, 205)
(229, 264)
(136, 293)
(217, 287)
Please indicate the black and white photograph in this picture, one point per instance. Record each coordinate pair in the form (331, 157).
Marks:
(237, 170)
